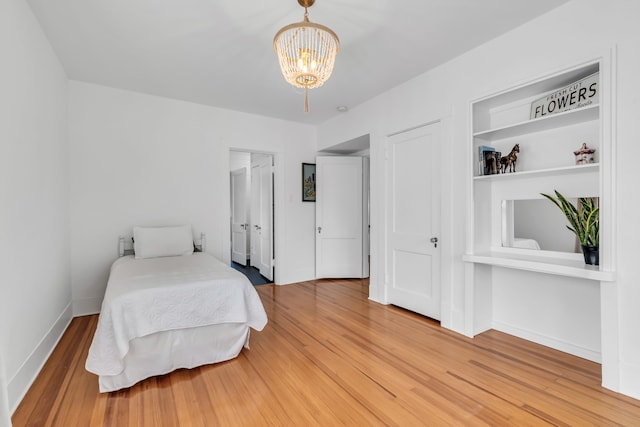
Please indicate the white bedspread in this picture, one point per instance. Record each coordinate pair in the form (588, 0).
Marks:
(146, 296)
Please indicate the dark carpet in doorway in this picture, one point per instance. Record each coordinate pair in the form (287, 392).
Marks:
(252, 273)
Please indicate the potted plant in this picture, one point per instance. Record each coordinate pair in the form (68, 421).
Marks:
(584, 221)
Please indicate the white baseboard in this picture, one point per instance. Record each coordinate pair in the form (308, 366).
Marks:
(557, 344)
(630, 379)
(86, 306)
(18, 386)
(295, 276)
(457, 322)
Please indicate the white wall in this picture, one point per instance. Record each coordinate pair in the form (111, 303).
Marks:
(143, 160)
(562, 313)
(574, 33)
(35, 292)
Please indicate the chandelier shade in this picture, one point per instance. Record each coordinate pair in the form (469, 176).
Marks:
(306, 52)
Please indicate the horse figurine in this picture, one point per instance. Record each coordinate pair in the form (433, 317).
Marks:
(509, 161)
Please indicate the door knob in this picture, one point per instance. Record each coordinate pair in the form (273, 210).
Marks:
(319, 230)
(434, 240)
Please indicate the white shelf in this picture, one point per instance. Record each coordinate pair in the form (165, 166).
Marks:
(560, 267)
(538, 87)
(553, 121)
(565, 170)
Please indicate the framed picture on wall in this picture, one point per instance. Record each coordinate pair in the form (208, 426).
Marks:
(308, 182)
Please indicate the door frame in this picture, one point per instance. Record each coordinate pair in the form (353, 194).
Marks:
(277, 200)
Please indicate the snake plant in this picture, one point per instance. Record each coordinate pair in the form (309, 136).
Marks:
(584, 220)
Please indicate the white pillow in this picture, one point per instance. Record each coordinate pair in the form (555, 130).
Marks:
(152, 242)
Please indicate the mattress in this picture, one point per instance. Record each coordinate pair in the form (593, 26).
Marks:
(162, 314)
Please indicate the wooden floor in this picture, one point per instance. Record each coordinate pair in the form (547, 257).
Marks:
(329, 356)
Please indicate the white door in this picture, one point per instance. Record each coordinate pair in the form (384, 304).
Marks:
(262, 215)
(239, 216)
(413, 220)
(339, 217)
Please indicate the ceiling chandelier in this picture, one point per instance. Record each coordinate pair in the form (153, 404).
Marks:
(306, 52)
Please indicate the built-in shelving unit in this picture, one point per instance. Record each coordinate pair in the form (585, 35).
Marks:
(566, 118)
(564, 170)
(558, 266)
(546, 162)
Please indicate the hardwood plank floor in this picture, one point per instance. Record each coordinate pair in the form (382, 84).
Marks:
(330, 356)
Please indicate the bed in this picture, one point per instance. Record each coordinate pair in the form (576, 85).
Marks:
(164, 312)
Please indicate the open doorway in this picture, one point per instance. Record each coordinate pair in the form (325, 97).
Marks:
(251, 219)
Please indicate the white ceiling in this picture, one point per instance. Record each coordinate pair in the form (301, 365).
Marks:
(220, 52)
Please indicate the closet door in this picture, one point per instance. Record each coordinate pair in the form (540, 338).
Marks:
(339, 217)
(413, 220)
(262, 215)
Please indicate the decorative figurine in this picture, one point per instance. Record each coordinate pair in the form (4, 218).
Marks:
(585, 155)
(491, 162)
(509, 161)
(497, 155)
